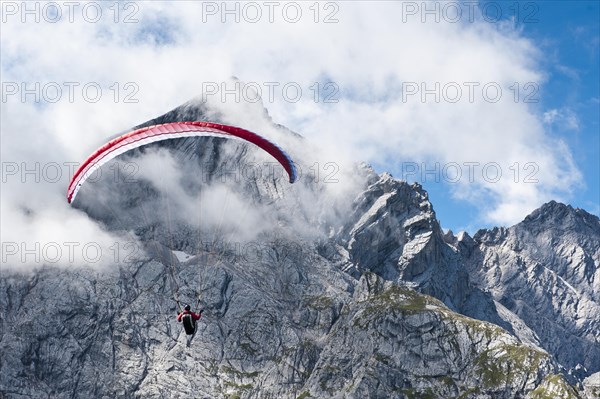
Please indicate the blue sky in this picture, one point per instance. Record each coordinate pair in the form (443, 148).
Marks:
(568, 34)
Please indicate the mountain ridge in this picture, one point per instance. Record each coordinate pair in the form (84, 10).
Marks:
(354, 296)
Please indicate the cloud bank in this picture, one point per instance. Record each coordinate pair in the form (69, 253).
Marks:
(422, 95)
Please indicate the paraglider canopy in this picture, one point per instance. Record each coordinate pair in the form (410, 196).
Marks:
(151, 134)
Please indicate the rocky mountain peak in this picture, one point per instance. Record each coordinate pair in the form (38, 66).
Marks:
(546, 270)
(556, 215)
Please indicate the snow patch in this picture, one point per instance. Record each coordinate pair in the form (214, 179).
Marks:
(182, 256)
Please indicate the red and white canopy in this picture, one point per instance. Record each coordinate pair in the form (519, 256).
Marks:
(151, 134)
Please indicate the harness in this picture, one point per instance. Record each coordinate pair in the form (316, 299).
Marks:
(189, 324)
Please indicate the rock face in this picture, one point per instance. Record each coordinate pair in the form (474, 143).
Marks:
(394, 233)
(285, 330)
(546, 270)
(379, 304)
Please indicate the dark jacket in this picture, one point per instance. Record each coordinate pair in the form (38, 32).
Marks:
(189, 320)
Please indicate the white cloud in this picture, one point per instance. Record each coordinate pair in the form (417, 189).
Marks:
(170, 54)
(564, 118)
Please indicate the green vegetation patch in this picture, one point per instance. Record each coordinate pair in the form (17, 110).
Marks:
(499, 366)
(304, 395)
(554, 386)
(412, 393)
(490, 330)
(469, 392)
(395, 300)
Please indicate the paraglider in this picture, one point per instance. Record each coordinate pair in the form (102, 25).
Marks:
(155, 133)
(189, 319)
(151, 134)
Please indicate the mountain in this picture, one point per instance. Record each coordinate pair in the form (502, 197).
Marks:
(309, 291)
(546, 270)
